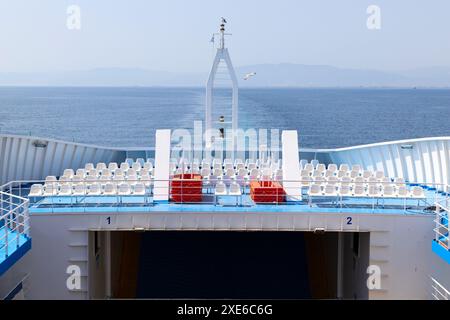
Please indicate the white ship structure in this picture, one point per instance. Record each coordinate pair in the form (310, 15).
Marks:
(373, 219)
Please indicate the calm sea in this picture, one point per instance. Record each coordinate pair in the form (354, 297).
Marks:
(128, 117)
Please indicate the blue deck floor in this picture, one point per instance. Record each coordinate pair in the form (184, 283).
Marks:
(18, 245)
(228, 204)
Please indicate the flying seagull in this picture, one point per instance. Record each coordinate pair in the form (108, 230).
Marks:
(249, 75)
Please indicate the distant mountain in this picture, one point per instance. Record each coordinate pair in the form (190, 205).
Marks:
(267, 75)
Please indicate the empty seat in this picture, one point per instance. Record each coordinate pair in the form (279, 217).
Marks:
(332, 180)
(139, 189)
(77, 178)
(141, 161)
(148, 166)
(402, 192)
(235, 189)
(345, 181)
(228, 166)
(229, 172)
(353, 174)
(100, 166)
(358, 180)
(132, 179)
(251, 166)
(131, 172)
(89, 166)
(95, 189)
(146, 179)
(332, 167)
(388, 191)
(36, 190)
(81, 172)
(367, 174)
(320, 167)
(218, 172)
(221, 189)
(308, 167)
(65, 179)
(341, 174)
(68, 173)
(50, 179)
(124, 189)
(344, 167)
(330, 190)
(379, 175)
(306, 181)
(356, 168)
(124, 166)
(303, 162)
(358, 190)
(314, 163)
(50, 189)
(65, 189)
(385, 181)
(329, 173)
(113, 166)
(104, 179)
(373, 191)
(92, 173)
(305, 173)
(319, 180)
(242, 172)
(399, 182)
(240, 166)
(344, 190)
(205, 172)
(136, 166)
(110, 189)
(315, 190)
(79, 189)
(417, 192)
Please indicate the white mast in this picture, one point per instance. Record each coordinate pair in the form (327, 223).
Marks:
(221, 55)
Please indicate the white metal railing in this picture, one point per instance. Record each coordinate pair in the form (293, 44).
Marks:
(22, 188)
(14, 221)
(441, 229)
(438, 291)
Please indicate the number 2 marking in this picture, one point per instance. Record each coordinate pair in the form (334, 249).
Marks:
(349, 220)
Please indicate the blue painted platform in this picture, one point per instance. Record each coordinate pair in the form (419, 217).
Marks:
(18, 246)
(98, 204)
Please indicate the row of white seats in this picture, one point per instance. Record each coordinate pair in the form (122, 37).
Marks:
(362, 191)
(306, 181)
(81, 189)
(83, 173)
(147, 178)
(136, 165)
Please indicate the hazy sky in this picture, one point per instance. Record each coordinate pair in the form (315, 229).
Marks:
(174, 34)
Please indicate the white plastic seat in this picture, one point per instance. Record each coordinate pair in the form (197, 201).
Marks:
(50, 189)
(131, 172)
(303, 162)
(315, 190)
(373, 191)
(320, 167)
(68, 173)
(229, 172)
(139, 189)
(89, 166)
(417, 192)
(332, 180)
(358, 190)
(141, 161)
(65, 189)
(385, 181)
(402, 191)
(148, 166)
(110, 189)
(319, 180)
(92, 173)
(78, 178)
(105, 179)
(358, 180)
(344, 167)
(205, 172)
(124, 166)
(314, 163)
(399, 182)
(345, 181)
(240, 166)
(36, 190)
(330, 190)
(306, 181)
(100, 166)
(332, 167)
(356, 168)
(255, 173)
(344, 191)
(242, 172)
(124, 189)
(341, 174)
(90, 179)
(95, 189)
(64, 179)
(136, 166)
(50, 179)
(112, 166)
(235, 189)
(329, 173)
(251, 166)
(388, 191)
(221, 189)
(217, 166)
(228, 166)
(367, 174)
(308, 167)
(379, 175)
(106, 172)
(146, 179)
(305, 173)
(226, 179)
(132, 179)
(353, 174)
(81, 172)
(218, 172)
(316, 174)
(79, 189)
